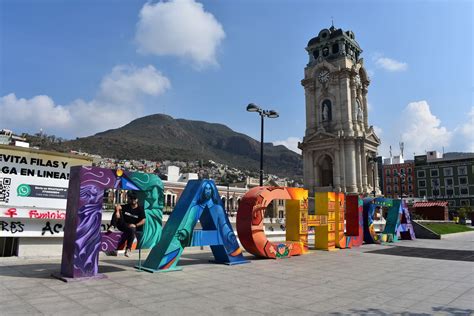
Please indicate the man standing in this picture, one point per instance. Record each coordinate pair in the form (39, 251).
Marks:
(128, 218)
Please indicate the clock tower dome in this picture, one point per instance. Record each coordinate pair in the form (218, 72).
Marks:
(339, 146)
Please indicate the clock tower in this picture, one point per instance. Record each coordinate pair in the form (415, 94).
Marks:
(339, 146)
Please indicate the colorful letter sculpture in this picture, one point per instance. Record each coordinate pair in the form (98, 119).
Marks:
(354, 221)
(405, 230)
(82, 237)
(199, 201)
(297, 220)
(394, 213)
(339, 214)
(250, 226)
(325, 234)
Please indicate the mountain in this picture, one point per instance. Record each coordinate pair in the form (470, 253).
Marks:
(160, 137)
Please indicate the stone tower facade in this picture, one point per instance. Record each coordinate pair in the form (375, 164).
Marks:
(339, 146)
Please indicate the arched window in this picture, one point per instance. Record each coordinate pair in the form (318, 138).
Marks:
(326, 111)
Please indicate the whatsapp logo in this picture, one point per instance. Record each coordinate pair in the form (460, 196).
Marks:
(23, 190)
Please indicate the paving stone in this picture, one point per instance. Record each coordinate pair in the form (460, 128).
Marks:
(346, 282)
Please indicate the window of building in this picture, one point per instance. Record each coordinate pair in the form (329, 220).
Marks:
(435, 183)
(410, 180)
(421, 174)
(395, 180)
(389, 190)
(422, 183)
(464, 203)
(434, 172)
(462, 170)
(448, 182)
(462, 180)
(335, 48)
(451, 203)
(449, 192)
(402, 171)
(464, 191)
(395, 189)
(421, 193)
(281, 202)
(281, 214)
(409, 170)
(387, 172)
(448, 172)
(389, 180)
(410, 188)
(435, 191)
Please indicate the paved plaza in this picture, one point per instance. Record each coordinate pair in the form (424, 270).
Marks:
(354, 281)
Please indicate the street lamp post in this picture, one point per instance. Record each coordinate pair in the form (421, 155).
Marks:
(270, 114)
(401, 175)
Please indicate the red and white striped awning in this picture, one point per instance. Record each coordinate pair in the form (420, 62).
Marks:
(430, 204)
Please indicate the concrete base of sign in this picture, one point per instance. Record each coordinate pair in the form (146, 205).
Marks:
(67, 280)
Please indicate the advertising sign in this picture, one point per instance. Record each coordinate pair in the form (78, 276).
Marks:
(33, 192)
(34, 178)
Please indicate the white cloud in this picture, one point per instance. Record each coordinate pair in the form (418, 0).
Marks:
(421, 130)
(465, 133)
(118, 101)
(378, 131)
(179, 28)
(291, 143)
(390, 64)
(126, 83)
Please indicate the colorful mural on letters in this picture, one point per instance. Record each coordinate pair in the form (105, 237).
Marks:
(354, 221)
(82, 237)
(199, 201)
(405, 229)
(250, 226)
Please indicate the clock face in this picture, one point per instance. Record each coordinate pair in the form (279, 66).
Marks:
(323, 76)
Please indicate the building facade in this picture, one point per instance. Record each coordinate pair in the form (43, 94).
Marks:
(339, 147)
(399, 180)
(448, 177)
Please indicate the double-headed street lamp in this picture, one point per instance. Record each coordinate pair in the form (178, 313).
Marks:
(402, 176)
(270, 114)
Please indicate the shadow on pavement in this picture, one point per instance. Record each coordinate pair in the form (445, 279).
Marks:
(379, 312)
(428, 253)
(44, 270)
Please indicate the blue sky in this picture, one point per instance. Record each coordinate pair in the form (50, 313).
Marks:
(74, 68)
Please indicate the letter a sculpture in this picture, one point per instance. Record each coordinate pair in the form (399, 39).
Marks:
(199, 201)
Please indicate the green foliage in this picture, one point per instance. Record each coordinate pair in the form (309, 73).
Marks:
(446, 228)
(464, 212)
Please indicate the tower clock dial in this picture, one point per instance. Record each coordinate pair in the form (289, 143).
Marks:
(323, 76)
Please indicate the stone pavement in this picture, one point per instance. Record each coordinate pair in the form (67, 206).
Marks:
(345, 282)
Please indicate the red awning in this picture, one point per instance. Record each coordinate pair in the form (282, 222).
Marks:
(430, 204)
